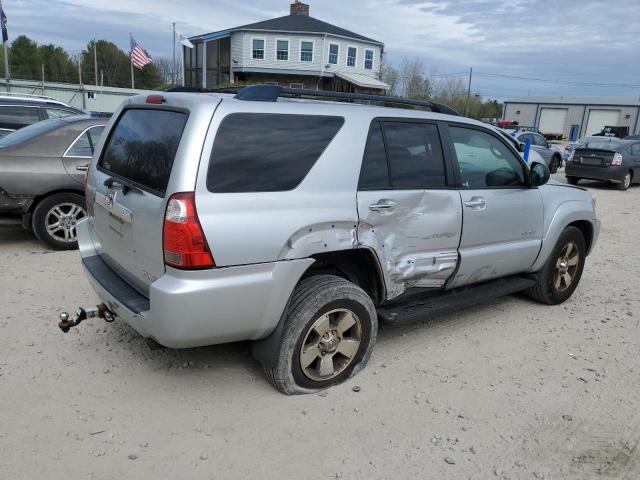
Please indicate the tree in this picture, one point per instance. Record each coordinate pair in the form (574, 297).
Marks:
(24, 59)
(389, 75)
(413, 82)
(58, 66)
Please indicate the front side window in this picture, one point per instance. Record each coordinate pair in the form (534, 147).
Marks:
(85, 144)
(415, 155)
(306, 51)
(263, 152)
(374, 173)
(17, 117)
(352, 56)
(368, 59)
(334, 51)
(539, 140)
(143, 145)
(635, 149)
(257, 51)
(484, 161)
(282, 50)
(58, 113)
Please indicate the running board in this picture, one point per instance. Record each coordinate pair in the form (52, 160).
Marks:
(415, 306)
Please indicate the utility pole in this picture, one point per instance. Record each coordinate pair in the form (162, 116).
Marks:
(95, 62)
(466, 108)
(6, 57)
(173, 64)
(80, 71)
(101, 78)
(43, 79)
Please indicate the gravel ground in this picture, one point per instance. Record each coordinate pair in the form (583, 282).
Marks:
(509, 389)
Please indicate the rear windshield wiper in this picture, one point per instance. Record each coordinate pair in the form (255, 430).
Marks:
(126, 186)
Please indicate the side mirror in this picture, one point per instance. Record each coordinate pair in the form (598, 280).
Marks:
(539, 174)
(521, 147)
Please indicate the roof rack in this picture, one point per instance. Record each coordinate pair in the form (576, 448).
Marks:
(27, 95)
(271, 93)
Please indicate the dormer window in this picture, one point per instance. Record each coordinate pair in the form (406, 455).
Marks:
(257, 48)
(368, 59)
(306, 51)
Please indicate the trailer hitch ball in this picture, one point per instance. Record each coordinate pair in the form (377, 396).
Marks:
(100, 311)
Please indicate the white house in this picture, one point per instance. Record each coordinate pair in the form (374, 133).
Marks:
(296, 51)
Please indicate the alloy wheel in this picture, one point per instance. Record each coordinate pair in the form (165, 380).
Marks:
(566, 267)
(330, 345)
(61, 221)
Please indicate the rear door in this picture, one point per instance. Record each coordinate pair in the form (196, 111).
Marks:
(502, 216)
(541, 146)
(408, 213)
(131, 182)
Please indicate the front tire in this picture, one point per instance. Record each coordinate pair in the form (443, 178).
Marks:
(329, 332)
(55, 218)
(560, 276)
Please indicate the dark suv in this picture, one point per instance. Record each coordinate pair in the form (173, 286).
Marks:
(17, 111)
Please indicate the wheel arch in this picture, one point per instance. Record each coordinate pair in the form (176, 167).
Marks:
(38, 198)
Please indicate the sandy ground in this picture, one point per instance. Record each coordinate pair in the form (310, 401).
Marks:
(509, 389)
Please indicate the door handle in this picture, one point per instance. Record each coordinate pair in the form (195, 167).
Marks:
(82, 168)
(476, 203)
(383, 206)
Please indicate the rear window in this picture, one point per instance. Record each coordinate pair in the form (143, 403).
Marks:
(143, 145)
(267, 152)
(604, 143)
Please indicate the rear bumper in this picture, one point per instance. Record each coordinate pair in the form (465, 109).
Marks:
(614, 174)
(197, 308)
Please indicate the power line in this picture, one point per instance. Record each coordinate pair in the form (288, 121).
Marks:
(562, 82)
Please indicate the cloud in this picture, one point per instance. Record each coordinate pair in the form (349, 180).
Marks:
(568, 39)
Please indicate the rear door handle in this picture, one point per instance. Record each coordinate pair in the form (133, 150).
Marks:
(476, 203)
(383, 206)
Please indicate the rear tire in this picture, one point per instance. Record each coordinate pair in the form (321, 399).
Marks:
(573, 180)
(555, 164)
(329, 332)
(54, 220)
(626, 182)
(560, 276)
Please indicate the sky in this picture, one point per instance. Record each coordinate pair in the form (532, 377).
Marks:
(570, 44)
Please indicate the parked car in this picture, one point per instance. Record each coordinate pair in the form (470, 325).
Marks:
(297, 223)
(570, 147)
(606, 158)
(18, 111)
(551, 156)
(520, 147)
(42, 170)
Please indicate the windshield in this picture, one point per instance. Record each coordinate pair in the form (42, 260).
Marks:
(27, 133)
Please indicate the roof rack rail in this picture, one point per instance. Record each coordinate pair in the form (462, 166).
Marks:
(271, 93)
(27, 95)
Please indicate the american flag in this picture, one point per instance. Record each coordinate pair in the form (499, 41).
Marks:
(139, 57)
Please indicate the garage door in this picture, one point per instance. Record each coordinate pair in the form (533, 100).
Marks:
(601, 118)
(552, 120)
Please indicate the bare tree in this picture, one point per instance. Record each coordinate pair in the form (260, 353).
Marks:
(166, 68)
(388, 74)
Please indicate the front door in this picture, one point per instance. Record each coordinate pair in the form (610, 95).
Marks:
(407, 214)
(502, 217)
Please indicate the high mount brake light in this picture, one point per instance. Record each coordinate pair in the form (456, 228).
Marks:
(155, 99)
(185, 246)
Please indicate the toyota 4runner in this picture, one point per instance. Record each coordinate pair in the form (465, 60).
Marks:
(298, 224)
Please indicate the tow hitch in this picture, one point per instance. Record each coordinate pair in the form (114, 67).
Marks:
(100, 311)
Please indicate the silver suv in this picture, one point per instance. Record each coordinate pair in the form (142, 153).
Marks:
(298, 224)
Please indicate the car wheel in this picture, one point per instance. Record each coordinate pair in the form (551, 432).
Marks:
(573, 180)
(329, 332)
(626, 181)
(560, 276)
(555, 164)
(55, 219)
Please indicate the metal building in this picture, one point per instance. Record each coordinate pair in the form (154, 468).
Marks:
(574, 117)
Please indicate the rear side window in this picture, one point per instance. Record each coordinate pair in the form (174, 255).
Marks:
(374, 174)
(17, 117)
(85, 144)
(142, 147)
(267, 152)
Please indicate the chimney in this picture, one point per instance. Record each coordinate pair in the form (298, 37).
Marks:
(299, 8)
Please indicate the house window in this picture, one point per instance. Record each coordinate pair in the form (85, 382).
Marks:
(334, 50)
(282, 49)
(368, 59)
(306, 51)
(258, 48)
(352, 55)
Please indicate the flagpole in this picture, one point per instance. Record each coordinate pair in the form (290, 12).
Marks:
(133, 85)
(173, 65)
(6, 55)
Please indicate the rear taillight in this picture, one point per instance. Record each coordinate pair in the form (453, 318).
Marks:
(617, 160)
(185, 246)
